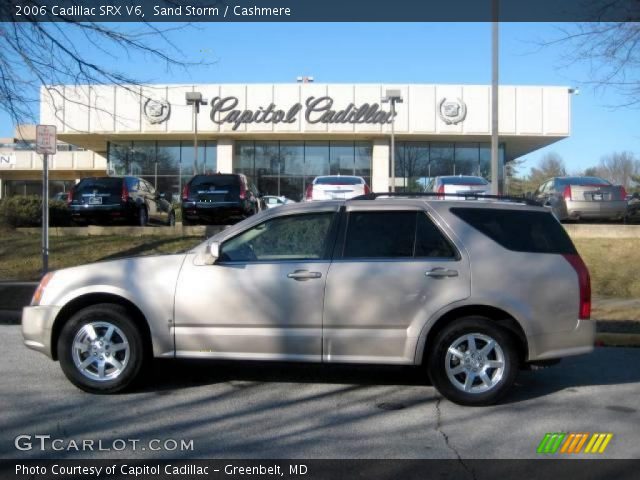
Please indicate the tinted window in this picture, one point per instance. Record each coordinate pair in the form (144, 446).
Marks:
(429, 240)
(230, 183)
(464, 180)
(111, 185)
(522, 231)
(338, 181)
(295, 237)
(380, 235)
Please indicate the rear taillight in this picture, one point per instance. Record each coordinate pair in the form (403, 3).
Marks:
(70, 196)
(566, 193)
(584, 310)
(623, 191)
(367, 190)
(125, 192)
(308, 194)
(243, 191)
(185, 192)
(441, 190)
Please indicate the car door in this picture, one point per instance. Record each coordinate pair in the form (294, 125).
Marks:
(263, 297)
(392, 272)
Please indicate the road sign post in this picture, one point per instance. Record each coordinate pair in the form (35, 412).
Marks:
(45, 145)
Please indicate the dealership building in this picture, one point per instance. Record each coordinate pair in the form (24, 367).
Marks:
(282, 135)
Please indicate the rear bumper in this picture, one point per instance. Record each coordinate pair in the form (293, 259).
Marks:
(597, 210)
(111, 213)
(213, 211)
(37, 325)
(563, 344)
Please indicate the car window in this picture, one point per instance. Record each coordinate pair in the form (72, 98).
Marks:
(430, 242)
(104, 185)
(380, 234)
(521, 231)
(294, 237)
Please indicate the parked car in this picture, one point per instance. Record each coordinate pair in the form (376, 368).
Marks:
(335, 187)
(578, 198)
(129, 200)
(272, 201)
(459, 184)
(218, 197)
(61, 196)
(633, 207)
(382, 281)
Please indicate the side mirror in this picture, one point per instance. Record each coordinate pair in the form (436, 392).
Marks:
(214, 250)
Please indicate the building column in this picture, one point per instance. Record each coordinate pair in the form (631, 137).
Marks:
(380, 166)
(1, 188)
(224, 155)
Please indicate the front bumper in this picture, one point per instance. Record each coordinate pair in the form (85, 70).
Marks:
(563, 344)
(37, 325)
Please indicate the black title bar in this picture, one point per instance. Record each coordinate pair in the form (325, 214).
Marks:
(320, 10)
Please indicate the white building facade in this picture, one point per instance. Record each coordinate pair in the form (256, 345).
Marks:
(283, 135)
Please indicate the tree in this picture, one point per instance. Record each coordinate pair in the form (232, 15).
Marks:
(619, 168)
(550, 165)
(67, 52)
(611, 50)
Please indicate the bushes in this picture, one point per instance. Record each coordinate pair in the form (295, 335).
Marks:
(26, 211)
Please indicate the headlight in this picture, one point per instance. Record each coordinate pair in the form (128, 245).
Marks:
(40, 290)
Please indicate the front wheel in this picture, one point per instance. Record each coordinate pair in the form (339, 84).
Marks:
(101, 349)
(473, 361)
(143, 217)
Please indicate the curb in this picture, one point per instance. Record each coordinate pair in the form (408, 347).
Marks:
(617, 340)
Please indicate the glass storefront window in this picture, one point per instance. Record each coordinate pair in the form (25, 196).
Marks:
(466, 159)
(168, 158)
(362, 163)
(441, 159)
(341, 158)
(34, 187)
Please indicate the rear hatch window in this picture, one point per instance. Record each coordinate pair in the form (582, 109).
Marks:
(464, 181)
(215, 188)
(519, 230)
(98, 191)
(338, 181)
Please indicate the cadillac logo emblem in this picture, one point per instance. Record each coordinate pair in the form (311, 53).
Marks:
(452, 112)
(156, 111)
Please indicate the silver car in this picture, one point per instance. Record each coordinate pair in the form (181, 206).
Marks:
(459, 184)
(335, 187)
(471, 289)
(578, 198)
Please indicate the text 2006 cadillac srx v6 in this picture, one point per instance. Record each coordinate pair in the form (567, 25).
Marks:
(469, 289)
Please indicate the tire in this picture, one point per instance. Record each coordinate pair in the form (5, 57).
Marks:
(467, 387)
(125, 337)
(171, 220)
(143, 217)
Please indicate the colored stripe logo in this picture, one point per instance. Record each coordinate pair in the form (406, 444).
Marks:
(573, 443)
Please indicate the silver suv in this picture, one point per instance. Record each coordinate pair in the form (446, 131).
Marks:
(471, 289)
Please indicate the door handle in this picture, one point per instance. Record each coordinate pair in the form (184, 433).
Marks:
(441, 273)
(304, 275)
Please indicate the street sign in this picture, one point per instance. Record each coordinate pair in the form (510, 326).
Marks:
(46, 139)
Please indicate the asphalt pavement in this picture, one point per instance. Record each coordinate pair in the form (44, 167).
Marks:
(248, 410)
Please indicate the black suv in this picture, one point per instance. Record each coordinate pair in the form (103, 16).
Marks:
(129, 200)
(214, 198)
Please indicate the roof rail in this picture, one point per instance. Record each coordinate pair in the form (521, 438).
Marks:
(464, 195)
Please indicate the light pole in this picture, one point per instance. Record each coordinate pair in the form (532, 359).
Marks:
(495, 177)
(393, 97)
(195, 100)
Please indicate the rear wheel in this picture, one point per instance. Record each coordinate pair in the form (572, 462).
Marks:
(171, 220)
(101, 349)
(143, 217)
(473, 361)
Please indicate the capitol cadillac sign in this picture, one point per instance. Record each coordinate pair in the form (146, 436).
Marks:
(316, 110)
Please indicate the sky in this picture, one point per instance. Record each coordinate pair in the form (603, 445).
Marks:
(458, 53)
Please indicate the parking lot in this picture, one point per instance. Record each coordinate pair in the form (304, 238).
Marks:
(311, 411)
